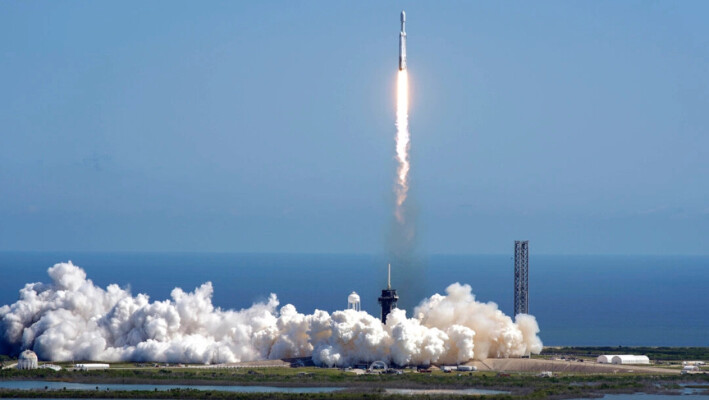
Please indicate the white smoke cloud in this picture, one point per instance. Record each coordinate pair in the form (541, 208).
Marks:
(73, 319)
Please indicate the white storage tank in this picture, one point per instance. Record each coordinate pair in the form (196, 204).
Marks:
(27, 360)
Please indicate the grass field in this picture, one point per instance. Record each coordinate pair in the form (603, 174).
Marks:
(565, 383)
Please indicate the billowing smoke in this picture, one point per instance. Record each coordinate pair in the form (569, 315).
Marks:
(73, 319)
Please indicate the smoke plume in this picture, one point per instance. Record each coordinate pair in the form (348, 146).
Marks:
(73, 319)
(407, 265)
(403, 140)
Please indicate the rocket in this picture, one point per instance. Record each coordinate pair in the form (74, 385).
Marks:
(402, 43)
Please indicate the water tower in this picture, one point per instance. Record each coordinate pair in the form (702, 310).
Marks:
(353, 301)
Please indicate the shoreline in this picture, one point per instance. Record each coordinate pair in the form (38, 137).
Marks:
(517, 386)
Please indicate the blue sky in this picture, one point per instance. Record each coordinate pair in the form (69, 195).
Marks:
(269, 126)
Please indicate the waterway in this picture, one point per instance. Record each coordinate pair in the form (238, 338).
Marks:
(27, 385)
(444, 391)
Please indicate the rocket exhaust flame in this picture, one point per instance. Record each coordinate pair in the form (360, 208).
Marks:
(403, 143)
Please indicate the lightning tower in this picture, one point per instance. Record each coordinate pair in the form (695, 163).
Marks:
(521, 277)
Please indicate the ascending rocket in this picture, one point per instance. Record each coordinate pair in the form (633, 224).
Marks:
(402, 43)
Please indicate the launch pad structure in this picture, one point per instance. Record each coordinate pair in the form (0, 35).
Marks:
(388, 298)
(521, 289)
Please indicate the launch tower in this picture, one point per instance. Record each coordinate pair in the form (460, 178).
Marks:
(388, 298)
(521, 277)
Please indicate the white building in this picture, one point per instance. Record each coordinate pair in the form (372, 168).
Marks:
(622, 359)
(604, 359)
(51, 366)
(27, 360)
(693, 363)
(91, 367)
(630, 359)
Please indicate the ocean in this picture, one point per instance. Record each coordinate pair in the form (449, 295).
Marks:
(577, 300)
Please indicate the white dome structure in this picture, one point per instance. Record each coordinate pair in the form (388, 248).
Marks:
(27, 360)
(630, 359)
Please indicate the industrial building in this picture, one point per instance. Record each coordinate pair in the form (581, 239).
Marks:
(630, 359)
(27, 360)
(623, 359)
(521, 289)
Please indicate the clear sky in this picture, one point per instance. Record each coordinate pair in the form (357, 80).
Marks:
(582, 126)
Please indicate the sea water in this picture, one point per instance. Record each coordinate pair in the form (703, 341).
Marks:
(578, 300)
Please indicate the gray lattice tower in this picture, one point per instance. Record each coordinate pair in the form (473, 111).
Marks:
(521, 277)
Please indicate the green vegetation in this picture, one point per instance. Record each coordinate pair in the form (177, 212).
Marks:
(196, 394)
(5, 360)
(520, 385)
(654, 353)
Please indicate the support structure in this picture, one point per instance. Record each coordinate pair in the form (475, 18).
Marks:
(521, 289)
(353, 302)
(388, 298)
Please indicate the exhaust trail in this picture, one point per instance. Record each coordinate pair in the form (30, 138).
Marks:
(402, 251)
(403, 144)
